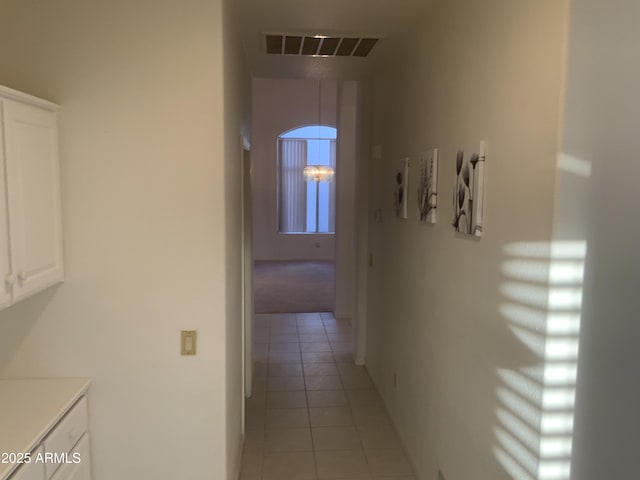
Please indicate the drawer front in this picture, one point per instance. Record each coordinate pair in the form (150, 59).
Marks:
(65, 435)
(33, 470)
(80, 470)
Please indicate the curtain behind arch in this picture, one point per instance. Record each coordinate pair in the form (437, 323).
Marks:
(293, 188)
(332, 188)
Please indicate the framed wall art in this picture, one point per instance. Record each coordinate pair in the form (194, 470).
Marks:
(400, 194)
(468, 193)
(428, 186)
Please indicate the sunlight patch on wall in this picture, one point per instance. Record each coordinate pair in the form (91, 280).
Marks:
(534, 416)
(526, 294)
(574, 165)
(523, 316)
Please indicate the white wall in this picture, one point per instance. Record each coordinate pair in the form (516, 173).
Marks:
(475, 70)
(237, 111)
(600, 202)
(144, 161)
(364, 154)
(353, 197)
(278, 106)
(346, 200)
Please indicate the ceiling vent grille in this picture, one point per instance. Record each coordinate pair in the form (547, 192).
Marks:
(318, 45)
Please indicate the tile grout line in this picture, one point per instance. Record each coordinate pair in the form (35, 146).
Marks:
(304, 380)
(266, 389)
(350, 406)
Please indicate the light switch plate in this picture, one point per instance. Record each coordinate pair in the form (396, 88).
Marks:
(188, 342)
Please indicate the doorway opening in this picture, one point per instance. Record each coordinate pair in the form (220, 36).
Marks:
(294, 286)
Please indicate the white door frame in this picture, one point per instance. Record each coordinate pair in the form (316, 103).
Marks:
(247, 270)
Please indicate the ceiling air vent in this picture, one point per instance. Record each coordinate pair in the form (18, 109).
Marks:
(319, 45)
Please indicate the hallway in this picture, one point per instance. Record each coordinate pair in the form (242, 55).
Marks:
(313, 413)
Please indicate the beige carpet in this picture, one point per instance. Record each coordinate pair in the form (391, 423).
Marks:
(288, 287)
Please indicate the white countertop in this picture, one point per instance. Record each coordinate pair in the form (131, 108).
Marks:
(29, 408)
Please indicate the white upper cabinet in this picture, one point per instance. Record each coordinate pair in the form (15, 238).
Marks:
(30, 213)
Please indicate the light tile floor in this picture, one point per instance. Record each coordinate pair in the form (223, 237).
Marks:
(314, 415)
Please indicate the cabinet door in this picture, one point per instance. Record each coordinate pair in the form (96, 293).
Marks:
(79, 467)
(30, 471)
(5, 266)
(33, 185)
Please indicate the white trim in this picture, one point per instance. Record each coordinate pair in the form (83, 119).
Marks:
(237, 467)
(11, 94)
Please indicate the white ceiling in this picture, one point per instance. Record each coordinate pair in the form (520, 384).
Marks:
(372, 18)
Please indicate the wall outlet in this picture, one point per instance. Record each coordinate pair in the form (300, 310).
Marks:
(395, 381)
(188, 342)
(317, 244)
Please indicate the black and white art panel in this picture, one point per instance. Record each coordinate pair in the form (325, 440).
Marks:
(401, 190)
(428, 186)
(468, 193)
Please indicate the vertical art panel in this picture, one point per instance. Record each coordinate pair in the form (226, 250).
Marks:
(428, 187)
(468, 194)
(402, 188)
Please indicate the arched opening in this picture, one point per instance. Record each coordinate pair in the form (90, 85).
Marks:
(306, 186)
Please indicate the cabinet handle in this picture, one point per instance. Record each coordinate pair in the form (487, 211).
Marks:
(22, 278)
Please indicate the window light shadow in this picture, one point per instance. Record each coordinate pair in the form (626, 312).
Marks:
(535, 409)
